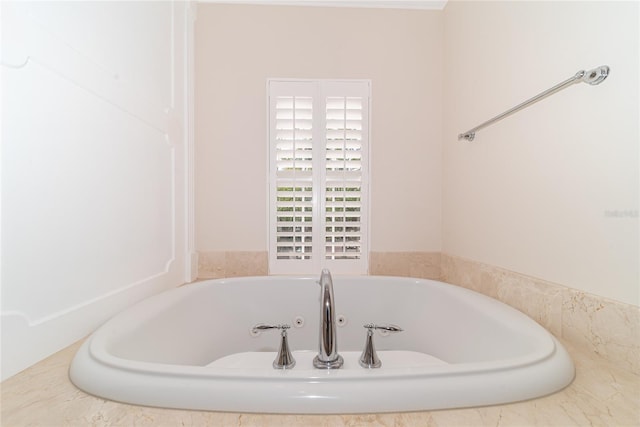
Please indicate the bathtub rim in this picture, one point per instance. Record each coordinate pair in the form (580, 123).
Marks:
(552, 360)
(549, 375)
(99, 341)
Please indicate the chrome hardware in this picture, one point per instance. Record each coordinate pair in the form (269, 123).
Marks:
(592, 77)
(284, 359)
(328, 357)
(596, 76)
(298, 322)
(369, 358)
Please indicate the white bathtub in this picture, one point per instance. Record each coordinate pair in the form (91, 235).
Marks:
(192, 348)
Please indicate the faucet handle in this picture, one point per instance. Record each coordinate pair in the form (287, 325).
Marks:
(266, 327)
(369, 358)
(384, 327)
(284, 358)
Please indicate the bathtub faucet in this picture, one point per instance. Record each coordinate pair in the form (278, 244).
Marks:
(328, 357)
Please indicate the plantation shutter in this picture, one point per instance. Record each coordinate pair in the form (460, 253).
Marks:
(318, 142)
(291, 145)
(346, 107)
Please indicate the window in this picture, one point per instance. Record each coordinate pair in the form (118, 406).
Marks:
(318, 176)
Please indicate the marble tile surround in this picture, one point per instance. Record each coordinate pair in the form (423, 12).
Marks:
(608, 328)
(422, 265)
(220, 264)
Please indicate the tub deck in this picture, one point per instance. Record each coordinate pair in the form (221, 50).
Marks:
(159, 352)
(253, 361)
(602, 394)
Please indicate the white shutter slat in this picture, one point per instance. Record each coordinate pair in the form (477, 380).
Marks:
(299, 144)
(289, 176)
(344, 145)
(346, 177)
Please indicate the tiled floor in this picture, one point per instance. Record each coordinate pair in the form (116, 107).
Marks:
(601, 395)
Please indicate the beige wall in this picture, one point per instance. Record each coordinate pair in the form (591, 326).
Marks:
(239, 47)
(551, 192)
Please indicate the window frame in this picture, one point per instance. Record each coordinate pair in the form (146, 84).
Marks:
(321, 89)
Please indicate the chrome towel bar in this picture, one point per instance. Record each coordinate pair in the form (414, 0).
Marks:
(593, 77)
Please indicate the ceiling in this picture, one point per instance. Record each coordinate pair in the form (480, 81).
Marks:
(388, 4)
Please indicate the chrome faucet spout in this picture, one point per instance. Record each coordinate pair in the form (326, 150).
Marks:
(328, 357)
